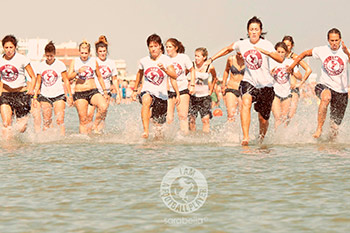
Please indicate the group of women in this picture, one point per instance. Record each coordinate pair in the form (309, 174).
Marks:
(258, 73)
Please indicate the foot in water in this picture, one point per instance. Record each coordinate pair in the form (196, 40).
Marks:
(144, 135)
(245, 142)
(317, 134)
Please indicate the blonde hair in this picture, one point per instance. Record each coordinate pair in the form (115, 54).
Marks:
(84, 44)
(204, 52)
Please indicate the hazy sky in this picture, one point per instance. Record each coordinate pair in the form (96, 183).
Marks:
(209, 23)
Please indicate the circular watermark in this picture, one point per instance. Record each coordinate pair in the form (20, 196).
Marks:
(184, 189)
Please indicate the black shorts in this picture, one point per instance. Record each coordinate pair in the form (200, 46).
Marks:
(159, 108)
(86, 95)
(283, 98)
(296, 90)
(234, 91)
(339, 102)
(262, 97)
(18, 101)
(49, 100)
(173, 94)
(201, 105)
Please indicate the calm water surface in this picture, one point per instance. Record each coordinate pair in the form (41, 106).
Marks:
(111, 183)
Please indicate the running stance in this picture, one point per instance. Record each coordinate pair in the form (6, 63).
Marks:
(283, 82)
(52, 80)
(201, 100)
(288, 40)
(182, 64)
(155, 69)
(234, 70)
(86, 69)
(108, 72)
(15, 97)
(334, 83)
(257, 82)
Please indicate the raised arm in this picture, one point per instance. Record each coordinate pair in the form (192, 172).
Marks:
(274, 55)
(304, 54)
(345, 49)
(307, 69)
(222, 52)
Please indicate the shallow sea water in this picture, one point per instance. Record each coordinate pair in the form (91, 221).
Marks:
(111, 182)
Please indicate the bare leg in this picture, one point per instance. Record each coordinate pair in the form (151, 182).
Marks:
(263, 126)
(146, 114)
(285, 108)
(206, 124)
(90, 116)
(322, 112)
(293, 105)
(36, 112)
(47, 114)
(100, 102)
(6, 115)
(182, 111)
(231, 106)
(170, 111)
(246, 117)
(276, 111)
(59, 109)
(82, 107)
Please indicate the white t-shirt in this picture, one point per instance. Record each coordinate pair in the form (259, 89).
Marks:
(257, 70)
(90, 65)
(334, 67)
(181, 63)
(13, 71)
(281, 78)
(155, 80)
(51, 78)
(108, 70)
(202, 84)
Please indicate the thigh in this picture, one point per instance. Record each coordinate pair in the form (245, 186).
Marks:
(59, 108)
(82, 107)
(98, 100)
(6, 113)
(46, 108)
(183, 107)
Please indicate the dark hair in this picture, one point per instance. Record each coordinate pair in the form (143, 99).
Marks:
(289, 38)
(281, 45)
(204, 52)
(84, 44)
(335, 31)
(258, 21)
(50, 48)
(156, 39)
(179, 46)
(9, 38)
(101, 43)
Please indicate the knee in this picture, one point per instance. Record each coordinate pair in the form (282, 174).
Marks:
(103, 108)
(182, 117)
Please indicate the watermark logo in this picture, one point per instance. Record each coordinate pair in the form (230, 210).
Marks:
(184, 189)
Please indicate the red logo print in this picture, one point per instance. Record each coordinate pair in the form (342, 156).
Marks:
(105, 72)
(88, 73)
(253, 59)
(154, 75)
(49, 78)
(333, 65)
(280, 75)
(178, 69)
(9, 73)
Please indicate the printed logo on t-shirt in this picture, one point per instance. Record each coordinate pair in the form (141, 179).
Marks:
(253, 59)
(178, 69)
(154, 75)
(105, 71)
(9, 73)
(49, 77)
(88, 73)
(334, 65)
(280, 75)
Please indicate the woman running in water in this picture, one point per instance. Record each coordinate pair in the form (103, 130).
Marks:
(85, 68)
(52, 81)
(334, 83)
(182, 64)
(108, 72)
(288, 40)
(257, 82)
(282, 85)
(235, 68)
(155, 68)
(16, 96)
(201, 100)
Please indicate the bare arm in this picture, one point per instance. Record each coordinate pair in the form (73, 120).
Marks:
(30, 71)
(71, 72)
(222, 52)
(67, 87)
(115, 82)
(304, 54)
(100, 80)
(225, 75)
(38, 85)
(139, 76)
(192, 81)
(345, 49)
(213, 74)
(274, 55)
